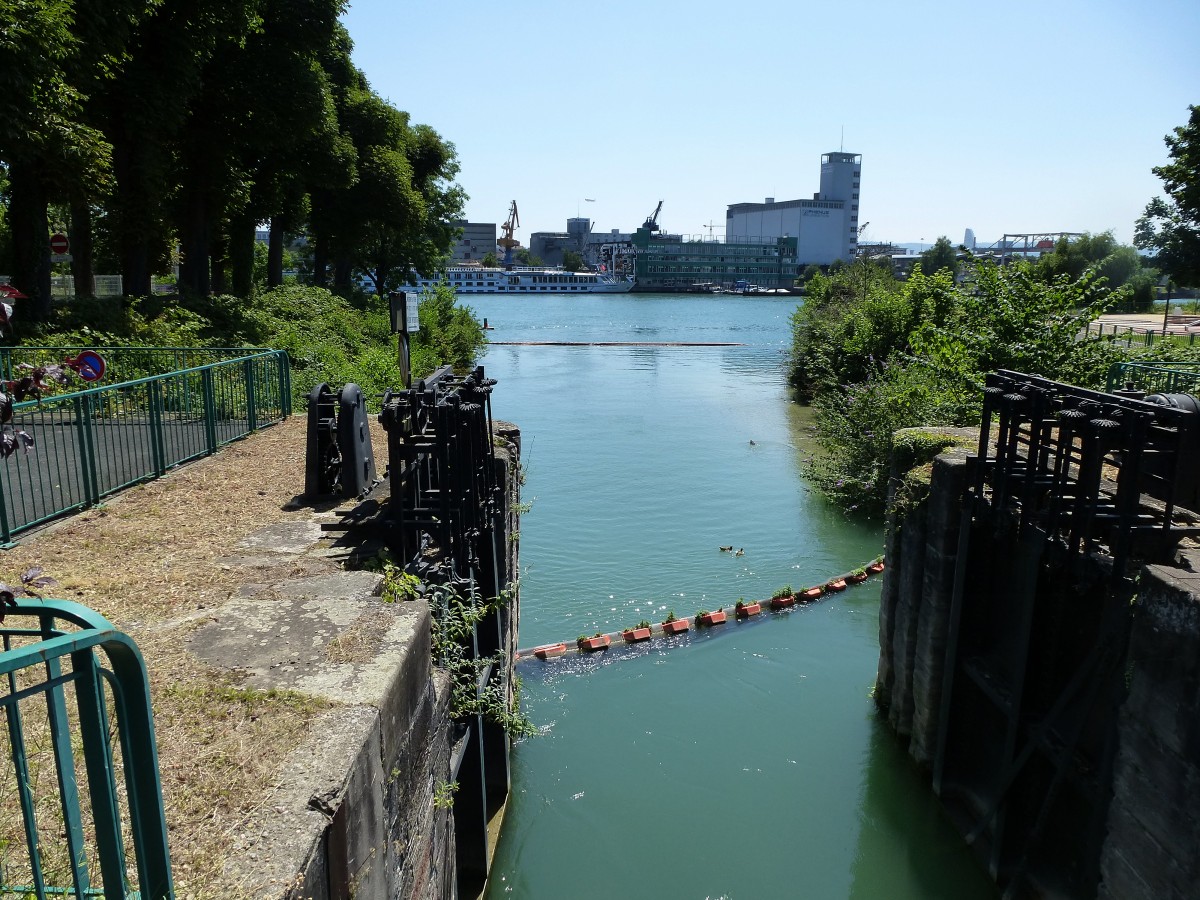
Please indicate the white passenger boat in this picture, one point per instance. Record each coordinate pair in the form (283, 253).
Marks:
(528, 280)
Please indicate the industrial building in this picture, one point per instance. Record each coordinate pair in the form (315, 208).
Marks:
(477, 240)
(548, 246)
(825, 227)
(669, 262)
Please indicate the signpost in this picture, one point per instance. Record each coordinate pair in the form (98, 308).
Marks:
(403, 306)
(60, 248)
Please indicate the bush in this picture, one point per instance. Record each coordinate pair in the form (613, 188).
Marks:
(327, 338)
(876, 356)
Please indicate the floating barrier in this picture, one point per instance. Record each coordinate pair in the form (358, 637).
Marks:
(615, 344)
(784, 599)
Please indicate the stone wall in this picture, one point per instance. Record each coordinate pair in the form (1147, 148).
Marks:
(1124, 822)
(921, 551)
(353, 813)
(1153, 846)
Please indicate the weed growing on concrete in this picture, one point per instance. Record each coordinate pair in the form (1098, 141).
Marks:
(443, 794)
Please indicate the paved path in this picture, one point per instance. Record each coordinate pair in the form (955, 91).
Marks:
(1142, 322)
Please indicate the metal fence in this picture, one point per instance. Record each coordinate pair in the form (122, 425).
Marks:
(62, 287)
(1155, 378)
(66, 788)
(92, 443)
(1141, 336)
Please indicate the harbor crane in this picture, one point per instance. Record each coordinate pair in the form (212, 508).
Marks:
(651, 223)
(507, 241)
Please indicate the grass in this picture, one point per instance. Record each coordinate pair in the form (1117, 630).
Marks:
(153, 561)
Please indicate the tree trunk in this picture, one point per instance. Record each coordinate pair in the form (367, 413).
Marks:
(219, 252)
(31, 239)
(342, 270)
(320, 272)
(241, 256)
(82, 265)
(275, 253)
(194, 243)
(132, 217)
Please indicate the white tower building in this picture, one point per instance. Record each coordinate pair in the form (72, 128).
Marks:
(825, 227)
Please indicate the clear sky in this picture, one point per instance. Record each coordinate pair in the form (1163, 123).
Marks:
(1015, 117)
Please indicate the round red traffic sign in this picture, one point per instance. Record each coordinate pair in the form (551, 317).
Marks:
(59, 243)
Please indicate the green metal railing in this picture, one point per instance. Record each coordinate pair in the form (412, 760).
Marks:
(1140, 336)
(50, 649)
(1155, 378)
(92, 443)
(123, 363)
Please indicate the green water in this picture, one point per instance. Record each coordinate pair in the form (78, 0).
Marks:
(742, 762)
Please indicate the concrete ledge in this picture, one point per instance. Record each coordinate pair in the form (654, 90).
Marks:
(365, 776)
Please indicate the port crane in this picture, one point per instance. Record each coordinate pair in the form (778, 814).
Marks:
(507, 229)
(651, 223)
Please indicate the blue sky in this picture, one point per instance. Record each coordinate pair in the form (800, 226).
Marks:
(1013, 118)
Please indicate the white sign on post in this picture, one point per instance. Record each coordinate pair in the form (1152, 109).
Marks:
(411, 303)
(403, 306)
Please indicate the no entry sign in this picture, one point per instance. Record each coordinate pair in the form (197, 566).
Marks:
(59, 243)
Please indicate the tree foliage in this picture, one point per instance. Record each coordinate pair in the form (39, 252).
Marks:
(1119, 264)
(855, 319)
(1171, 227)
(941, 255)
(874, 355)
(159, 123)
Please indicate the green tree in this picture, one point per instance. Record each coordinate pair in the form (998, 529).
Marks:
(525, 258)
(1119, 264)
(490, 260)
(288, 137)
(157, 94)
(396, 217)
(854, 319)
(941, 255)
(572, 261)
(1171, 228)
(50, 53)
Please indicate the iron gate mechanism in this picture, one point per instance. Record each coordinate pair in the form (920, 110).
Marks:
(445, 493)
(1076, 463)
(1071, 491)
(338, 460)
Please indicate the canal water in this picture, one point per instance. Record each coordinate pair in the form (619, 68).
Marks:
(742, 762)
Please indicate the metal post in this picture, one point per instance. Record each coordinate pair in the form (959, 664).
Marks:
(210, 409)
(157, 432)
(285, 383)
(251, 398)
(87, 465)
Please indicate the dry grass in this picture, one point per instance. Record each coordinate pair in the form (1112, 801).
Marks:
(150, 561)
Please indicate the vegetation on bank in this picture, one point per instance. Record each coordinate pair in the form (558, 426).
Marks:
(873, 355)
(328, 338)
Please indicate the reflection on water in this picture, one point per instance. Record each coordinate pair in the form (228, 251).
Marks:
(745, 761)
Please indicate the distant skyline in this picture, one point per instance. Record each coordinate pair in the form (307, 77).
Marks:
(966, 117)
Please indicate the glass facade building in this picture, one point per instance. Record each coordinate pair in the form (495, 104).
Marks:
(668, 262)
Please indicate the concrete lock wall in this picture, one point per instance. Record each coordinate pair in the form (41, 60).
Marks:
(1030, 621)
(1153, 844)
(353, 812)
